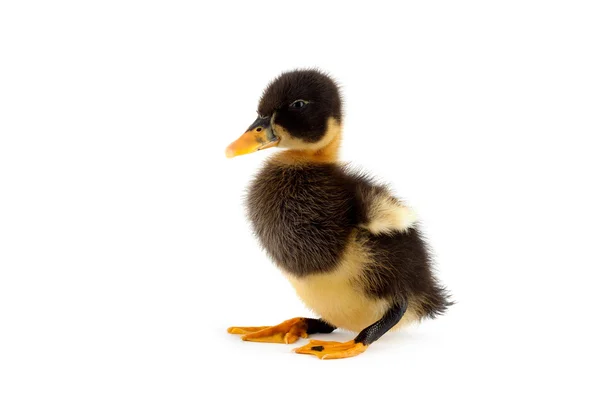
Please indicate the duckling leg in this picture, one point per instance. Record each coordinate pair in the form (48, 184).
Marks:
(331, 350)
(287, 332)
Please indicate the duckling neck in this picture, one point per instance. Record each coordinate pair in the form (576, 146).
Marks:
(326, 151)
(326, 154)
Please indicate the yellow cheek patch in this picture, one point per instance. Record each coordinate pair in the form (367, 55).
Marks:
(324, 151)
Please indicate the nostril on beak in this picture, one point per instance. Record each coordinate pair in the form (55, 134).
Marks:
(258, 129)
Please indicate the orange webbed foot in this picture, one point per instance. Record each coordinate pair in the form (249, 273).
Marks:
(287, 332)
(331, 350)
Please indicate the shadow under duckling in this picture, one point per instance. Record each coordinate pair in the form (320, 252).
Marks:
(351, 250)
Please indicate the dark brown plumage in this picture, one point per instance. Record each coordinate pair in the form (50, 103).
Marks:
(308, 123)
(351, 250)
(303, 216)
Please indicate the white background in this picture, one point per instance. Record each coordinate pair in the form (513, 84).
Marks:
(124, 249)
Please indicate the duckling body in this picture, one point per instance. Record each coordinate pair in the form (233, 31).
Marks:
(305, 218)
(351, 250)
(311, 219)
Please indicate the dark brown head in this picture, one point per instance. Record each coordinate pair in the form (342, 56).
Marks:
(299, 110)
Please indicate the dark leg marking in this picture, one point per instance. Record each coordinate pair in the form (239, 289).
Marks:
(318, 326)
(373, 332)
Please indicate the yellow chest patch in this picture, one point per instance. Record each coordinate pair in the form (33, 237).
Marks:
(337, 297)
(338, 302)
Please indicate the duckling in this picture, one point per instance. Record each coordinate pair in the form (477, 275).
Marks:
(352, 251)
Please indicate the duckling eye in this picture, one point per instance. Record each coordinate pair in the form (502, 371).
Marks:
(298, 104)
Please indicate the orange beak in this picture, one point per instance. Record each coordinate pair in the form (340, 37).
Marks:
(259, 136)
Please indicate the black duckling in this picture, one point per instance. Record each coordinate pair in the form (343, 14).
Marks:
(350, 249)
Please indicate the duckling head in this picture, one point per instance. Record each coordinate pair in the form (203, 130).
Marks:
(300, 110)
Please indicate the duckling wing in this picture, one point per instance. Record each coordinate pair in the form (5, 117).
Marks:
(380, 211)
